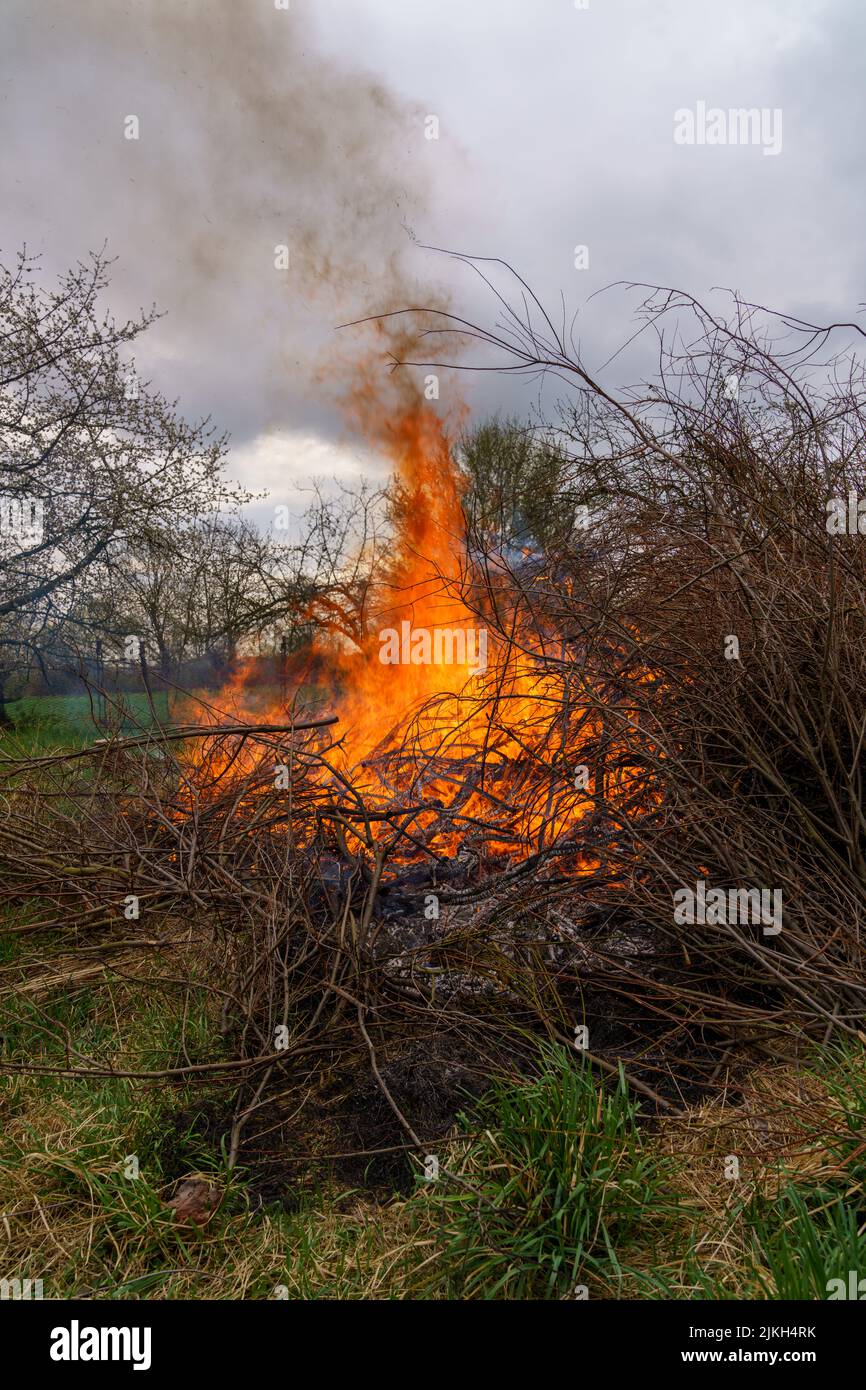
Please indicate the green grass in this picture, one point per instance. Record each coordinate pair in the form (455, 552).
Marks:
(560, 1176)
(812, 1234)
(72, 721)
(550, 1185)
(804, 1239)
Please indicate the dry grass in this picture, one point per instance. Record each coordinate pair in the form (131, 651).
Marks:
(71, 1217)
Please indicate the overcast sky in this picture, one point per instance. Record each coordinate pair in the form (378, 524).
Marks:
(259, 127)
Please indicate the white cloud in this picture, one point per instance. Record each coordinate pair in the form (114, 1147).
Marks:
(285, 463)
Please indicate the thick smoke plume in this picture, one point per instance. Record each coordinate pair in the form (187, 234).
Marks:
(249, 138)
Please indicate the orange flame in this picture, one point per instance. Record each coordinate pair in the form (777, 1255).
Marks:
(422, 719)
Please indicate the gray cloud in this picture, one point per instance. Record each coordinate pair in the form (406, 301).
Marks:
(556, 129)
(248, 139)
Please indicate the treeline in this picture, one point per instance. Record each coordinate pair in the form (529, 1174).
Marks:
(124, 551)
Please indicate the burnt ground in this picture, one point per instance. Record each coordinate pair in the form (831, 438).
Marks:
(332, 1124)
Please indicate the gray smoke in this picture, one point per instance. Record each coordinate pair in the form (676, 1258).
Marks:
(249, 139)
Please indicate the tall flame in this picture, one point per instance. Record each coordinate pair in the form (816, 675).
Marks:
(465, 748)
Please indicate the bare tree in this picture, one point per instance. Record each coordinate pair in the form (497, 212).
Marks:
(91, 458)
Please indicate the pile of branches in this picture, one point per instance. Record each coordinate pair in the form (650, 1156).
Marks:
(250, 868)
(699, 651)
(724, 552)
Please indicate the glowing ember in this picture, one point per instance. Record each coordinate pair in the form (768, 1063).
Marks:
(463, 732)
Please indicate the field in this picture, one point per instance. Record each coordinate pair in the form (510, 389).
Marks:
(559, 1186)
(72, 721)
(494, 930)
